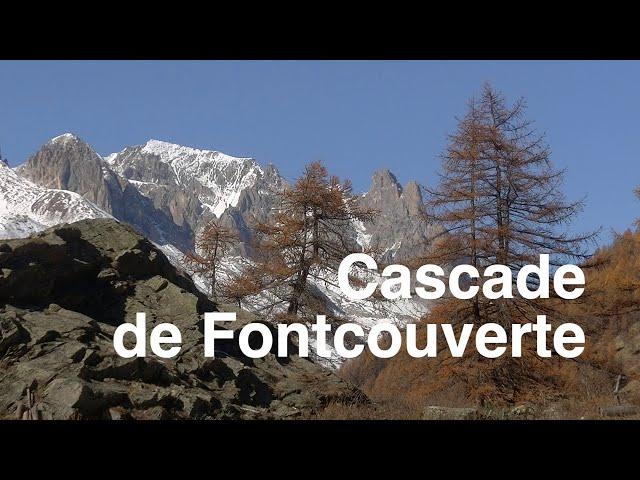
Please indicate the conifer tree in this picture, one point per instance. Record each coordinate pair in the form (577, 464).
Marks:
(213, 242)
(500, 199)
(305, 238)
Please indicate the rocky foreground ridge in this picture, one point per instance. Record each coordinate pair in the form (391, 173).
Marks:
(62, 294)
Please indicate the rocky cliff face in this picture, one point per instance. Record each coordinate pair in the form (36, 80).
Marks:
(400, 231)
(63, 292)
(67, 163)
(194, 185)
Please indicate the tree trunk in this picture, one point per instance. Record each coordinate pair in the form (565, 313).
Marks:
(303, 270)
(213, 270)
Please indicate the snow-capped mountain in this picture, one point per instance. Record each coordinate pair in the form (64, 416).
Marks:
(27, 208)
(66, 162)
(218, 180)
(168, 192)
(192, 185)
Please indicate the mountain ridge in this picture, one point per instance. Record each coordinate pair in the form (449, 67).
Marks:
(169, 191)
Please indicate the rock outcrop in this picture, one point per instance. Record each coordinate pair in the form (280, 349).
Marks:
(401, 230)
(62, 294)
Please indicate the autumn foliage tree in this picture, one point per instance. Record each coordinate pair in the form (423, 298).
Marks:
(213, 242)
(500, 200)
(236, 289)
(306, 238)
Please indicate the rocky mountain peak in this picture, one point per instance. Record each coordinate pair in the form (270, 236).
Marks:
(385, 187)
(71, 146)
(412, 196)
(385, 181)
(191, 185)
(65, 149)
(399, 231)
(67, 162)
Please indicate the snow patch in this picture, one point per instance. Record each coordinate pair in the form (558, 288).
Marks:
(218, 179)
(65, 137)
(362, 237)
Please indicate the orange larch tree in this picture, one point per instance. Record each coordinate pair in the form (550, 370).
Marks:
(212, 243)
(500, 200)
(306, 237)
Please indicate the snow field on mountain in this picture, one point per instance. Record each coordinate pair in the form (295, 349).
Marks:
(27, 208)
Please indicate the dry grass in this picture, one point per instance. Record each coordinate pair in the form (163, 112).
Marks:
(391, 410)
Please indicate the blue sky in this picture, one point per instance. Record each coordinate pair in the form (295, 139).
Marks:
(355, 116)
